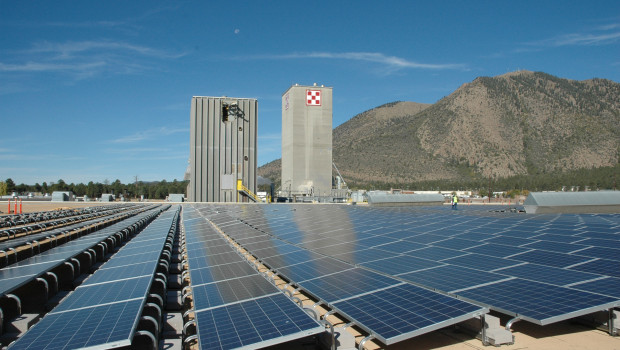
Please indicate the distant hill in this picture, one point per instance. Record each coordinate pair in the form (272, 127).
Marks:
(520, 123)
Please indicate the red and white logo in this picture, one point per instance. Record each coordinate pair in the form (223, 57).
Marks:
(313, 97)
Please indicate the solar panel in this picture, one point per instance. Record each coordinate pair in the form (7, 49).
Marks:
(105, 274)
(228, 291)
(104, 293)
(228, 257)
(400, 264)
(273, 251)
(607, 286)
(457, 243)
(600, 266)
(425, 238)
(254, 324)
(598, 234)
(401, 246)
(597, 242)
(551, 237)
(550, 258)
(404, 311)
(475, 236)
(436, 253)
(538, 302)
(292, 258)
(557, 247)
(548, 274)
(481, 262)
(364, 255)
(111, 325)
(509, 240)
(451, 278)
(600, 252)
(516, 233)
(346, 284)
(497, 250)
(133, 259)
(312, 269)
(220, 272)
(373, 241)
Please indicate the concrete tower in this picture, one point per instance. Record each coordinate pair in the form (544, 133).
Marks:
(223, 142)
(307, 141)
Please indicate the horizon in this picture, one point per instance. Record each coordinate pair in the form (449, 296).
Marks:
(96, 91)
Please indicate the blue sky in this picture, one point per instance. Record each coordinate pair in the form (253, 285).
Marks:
(96, 90)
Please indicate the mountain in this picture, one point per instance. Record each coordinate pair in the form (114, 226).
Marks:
(520, 123)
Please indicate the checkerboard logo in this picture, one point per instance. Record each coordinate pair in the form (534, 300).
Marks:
(313, 97)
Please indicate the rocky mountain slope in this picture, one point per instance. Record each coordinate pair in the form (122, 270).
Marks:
(519, 123)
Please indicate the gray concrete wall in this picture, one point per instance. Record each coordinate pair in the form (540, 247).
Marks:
(306, 142)
(221, 150)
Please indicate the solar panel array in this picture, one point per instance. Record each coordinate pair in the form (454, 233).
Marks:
(388, 308)
(541, 268)
(15, 275)
(235, 306)
(104, 311)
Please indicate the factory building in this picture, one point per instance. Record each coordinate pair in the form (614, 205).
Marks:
(223, 140)
(307, 141)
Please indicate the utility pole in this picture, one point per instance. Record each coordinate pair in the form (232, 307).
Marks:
(490, 193)
(136, 182)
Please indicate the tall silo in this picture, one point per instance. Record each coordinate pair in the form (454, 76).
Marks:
(223, 139)
(307, 141)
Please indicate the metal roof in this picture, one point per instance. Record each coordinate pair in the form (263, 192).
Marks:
(573, 202)
(381, 198)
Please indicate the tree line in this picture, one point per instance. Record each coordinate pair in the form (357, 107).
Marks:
(150, 190)
(603, 178)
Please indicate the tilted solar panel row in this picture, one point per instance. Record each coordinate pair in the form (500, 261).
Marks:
(59, 235)
(235, 306)
(105, 310)
(103, 240)
(470, 253)
(80, 215)
(343, 287)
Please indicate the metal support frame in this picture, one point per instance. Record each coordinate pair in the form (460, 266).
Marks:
(45, 286)
(152, 320)
(318, 303)
(186, 313)
(160, 300)
(148, 335)
(14, 254)
(189, 339)
(511, 322)
(18, 302)
(483, 331)
(286, 291)
(611, 323)
(66, 263)
(298, 301)
(79, 267)
(187, 324)
(348, 325)
(31, 248)
(314, 314)
(361, 346)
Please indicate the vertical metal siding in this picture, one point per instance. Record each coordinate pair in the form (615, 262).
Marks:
(191, 191)
(219, 148)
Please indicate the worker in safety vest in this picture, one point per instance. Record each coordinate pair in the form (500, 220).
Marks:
(455, 201)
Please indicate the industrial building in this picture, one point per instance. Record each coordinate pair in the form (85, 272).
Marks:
(223, 155)
(307, 141)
